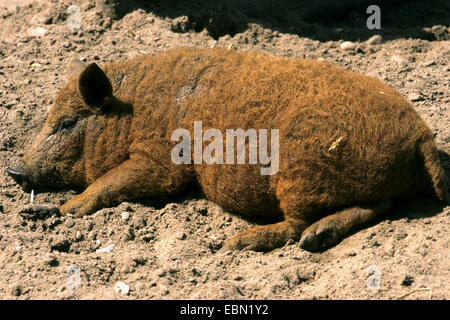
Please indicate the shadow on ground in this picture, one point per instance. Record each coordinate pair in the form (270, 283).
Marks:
(320, 20)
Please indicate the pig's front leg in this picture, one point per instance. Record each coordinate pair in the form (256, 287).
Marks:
(131, 180)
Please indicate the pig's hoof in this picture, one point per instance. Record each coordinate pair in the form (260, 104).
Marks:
(265, 238)
(242, 241)
(319, 236)
(38, 212)
(78, 207)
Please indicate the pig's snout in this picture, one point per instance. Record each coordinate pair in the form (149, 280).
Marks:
(21, 177)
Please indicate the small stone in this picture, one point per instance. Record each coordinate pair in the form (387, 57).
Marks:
(125, 206)
(91, 235)
(348, 45)
(125, 215)
(96, 244)
(400, 60)
(122, 288)
(109, 248)
(37, 32)
(70, 223)
(78, 236)
(376, 39)
(138, 222)
(180, 235)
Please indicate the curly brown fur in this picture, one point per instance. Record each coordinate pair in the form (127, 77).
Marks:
(345, 139)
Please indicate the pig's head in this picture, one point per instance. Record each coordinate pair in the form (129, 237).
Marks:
(56, 157)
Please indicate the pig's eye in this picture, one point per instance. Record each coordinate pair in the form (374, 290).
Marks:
(66, 124)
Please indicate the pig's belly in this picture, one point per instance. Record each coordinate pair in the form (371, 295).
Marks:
(240, 189)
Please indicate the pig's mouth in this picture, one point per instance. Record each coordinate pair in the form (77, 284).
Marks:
(21, 178)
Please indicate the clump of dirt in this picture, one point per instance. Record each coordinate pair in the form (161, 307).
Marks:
(172, 250)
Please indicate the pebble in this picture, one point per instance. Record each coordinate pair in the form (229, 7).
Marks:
(78, 236)
(109, 248)
(376, 39)
(348, 45)
(125, 215)
(180, 235)
(91, 235)
(122, 288)
(400, 60)
(138, 222)
(36, 32)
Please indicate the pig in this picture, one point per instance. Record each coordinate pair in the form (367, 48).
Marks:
(349, 145)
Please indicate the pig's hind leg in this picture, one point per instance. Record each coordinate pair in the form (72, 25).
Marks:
(272, 236)
(301, 211)
(134, 179)
(329, 230)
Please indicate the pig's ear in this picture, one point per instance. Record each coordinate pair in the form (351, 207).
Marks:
(94, 86)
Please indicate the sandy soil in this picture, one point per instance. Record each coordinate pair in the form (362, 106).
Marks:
(169, 251)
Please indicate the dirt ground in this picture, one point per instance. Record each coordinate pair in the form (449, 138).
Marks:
(170, 251)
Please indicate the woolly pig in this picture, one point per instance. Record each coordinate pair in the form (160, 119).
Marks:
(348, 144)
